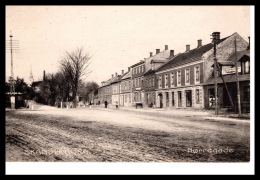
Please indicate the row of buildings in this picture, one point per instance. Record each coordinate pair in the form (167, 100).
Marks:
(183, 80)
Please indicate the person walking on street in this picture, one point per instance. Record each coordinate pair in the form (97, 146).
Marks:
(105, 104)
(117, 107)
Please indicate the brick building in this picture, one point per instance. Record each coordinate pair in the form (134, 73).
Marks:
(181, 79)
(242, 60)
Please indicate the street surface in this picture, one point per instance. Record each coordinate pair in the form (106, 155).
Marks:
(109, 135)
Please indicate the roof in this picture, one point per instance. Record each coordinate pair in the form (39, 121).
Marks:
(164, 55)
(188, 57)
(241, 55)
(141, 62)
(150, 72)
(229, 78)
(225, 63)
(162, 60)
(126, 75)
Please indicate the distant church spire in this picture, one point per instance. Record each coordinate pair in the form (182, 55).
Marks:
(31, 76)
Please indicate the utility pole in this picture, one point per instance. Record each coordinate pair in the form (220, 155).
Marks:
(13, 46)
(12, 86)
(216, 37)
(238, 88)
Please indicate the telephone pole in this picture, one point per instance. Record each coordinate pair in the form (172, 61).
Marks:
(238, 88)
(12, 86)
(216, 37)
(13, 47)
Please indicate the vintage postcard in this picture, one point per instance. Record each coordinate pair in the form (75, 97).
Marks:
(128, 84)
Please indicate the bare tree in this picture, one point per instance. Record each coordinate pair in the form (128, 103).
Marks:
(74, 66)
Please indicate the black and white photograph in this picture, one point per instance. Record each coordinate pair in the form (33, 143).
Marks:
(129, 85)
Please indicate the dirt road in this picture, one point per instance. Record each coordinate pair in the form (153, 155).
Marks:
(108, 135)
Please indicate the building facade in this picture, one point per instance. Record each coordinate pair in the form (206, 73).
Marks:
(181, 80)
(229, 85)
(126, 89)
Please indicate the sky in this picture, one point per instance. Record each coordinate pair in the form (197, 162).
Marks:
(115, 36)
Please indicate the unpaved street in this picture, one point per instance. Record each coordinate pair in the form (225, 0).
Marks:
(109, 135)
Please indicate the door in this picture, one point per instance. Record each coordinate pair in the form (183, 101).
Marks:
(179, 99)
(161, 100)
(188, 98)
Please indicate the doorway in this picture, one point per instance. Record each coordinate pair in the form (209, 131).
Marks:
(179, 99)
(188, 98)
(160, 100)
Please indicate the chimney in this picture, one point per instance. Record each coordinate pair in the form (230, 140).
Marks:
(166, 47)
(157, 51)
(115, 74)
(248, 47)
(215, 36)
(187, 47)
(122, 71)
(151, 54)
(171, 53)
(199, 43)
(44, 75)
(112, 75)
(128, 69)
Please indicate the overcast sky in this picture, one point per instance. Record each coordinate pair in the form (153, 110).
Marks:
(116, 36)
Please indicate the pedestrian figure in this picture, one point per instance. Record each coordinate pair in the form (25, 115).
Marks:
(117, 105)
(105, 104)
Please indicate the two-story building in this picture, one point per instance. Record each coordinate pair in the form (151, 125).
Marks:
(138, 70)
(105, 91)
(115, 84)
(126, 89)
(181, 79)
(149, 76)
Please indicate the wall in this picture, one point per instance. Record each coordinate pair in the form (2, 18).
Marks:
(223, 51)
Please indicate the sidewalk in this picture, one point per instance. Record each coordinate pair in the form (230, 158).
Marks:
(188, 112)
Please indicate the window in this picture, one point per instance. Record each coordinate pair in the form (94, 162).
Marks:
(172, 79)
(152, 81)
(197, 74)
(166, 80)
(197, 96)
(129, 97)
(125, 98)
(129, 85)
(179, 78)
(247, 67)
(160, 81)
(141, 68)
(142, 82)
(139, 82)
(125, 85)
(187, 76)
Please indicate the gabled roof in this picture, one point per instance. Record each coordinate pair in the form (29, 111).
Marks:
(126, 75)
(189, 56)
(164, 55)
(245, 54)
(141, 62)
